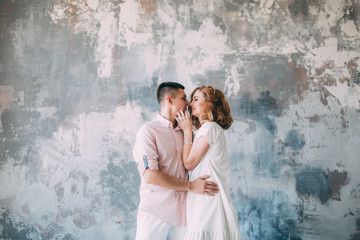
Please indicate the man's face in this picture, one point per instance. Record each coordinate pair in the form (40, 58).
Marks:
(180, 101)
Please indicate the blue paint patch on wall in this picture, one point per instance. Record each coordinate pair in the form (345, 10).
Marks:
(313, 182)
(294, 140)
(356, 236)
(298, 7)
(325, 186)
(260, 110)
(121, 183)
(15, 230)
(20, 130)
(274, 80)
(265, 160)
(268, 218)
(144, 95)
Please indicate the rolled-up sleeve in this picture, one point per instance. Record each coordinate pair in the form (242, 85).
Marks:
(145, 145)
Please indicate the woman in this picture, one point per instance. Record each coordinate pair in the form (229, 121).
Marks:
(208, 217)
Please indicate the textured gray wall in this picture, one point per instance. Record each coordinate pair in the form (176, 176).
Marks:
(77, 79)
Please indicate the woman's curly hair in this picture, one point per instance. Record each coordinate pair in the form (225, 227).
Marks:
(217, 109)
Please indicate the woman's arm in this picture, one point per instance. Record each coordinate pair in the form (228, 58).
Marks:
(192, 152)
(196, 153)
(188, 141)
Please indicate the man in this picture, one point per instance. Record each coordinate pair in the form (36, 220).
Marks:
(158, 153)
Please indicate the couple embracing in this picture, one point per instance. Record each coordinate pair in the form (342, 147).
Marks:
(185, 175)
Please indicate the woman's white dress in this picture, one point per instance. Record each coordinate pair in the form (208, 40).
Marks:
(212, 217)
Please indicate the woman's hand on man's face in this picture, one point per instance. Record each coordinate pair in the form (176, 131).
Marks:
(184, 120)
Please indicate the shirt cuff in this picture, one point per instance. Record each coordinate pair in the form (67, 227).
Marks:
(152, 164)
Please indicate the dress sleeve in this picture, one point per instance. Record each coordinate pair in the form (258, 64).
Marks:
(145, 151)
(207, 130)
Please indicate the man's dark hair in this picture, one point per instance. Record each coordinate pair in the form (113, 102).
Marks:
(167, 88)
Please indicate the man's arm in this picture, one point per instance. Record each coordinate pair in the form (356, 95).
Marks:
(199, 186)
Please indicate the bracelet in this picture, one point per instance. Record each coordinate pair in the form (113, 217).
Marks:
(188, 143)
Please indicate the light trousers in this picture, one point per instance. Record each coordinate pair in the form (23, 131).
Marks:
(150, 227)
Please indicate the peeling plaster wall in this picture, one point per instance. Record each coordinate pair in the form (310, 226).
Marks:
(78, 78)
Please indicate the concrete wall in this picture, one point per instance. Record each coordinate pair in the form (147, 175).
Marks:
(77, 79)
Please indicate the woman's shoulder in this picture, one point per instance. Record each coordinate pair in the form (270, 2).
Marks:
(211, 125)
(211, 130)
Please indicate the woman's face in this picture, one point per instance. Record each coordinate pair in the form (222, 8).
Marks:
(198, 104)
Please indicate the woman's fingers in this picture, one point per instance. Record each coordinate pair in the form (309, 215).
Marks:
(181, 113)
(183, 118)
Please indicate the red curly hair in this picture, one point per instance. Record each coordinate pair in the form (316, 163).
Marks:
(217, 109)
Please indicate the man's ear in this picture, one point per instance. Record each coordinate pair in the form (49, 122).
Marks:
(169, 100)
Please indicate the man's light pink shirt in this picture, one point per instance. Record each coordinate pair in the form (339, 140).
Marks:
(162, 145)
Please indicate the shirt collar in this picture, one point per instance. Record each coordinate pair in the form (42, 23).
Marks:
(165, 122)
